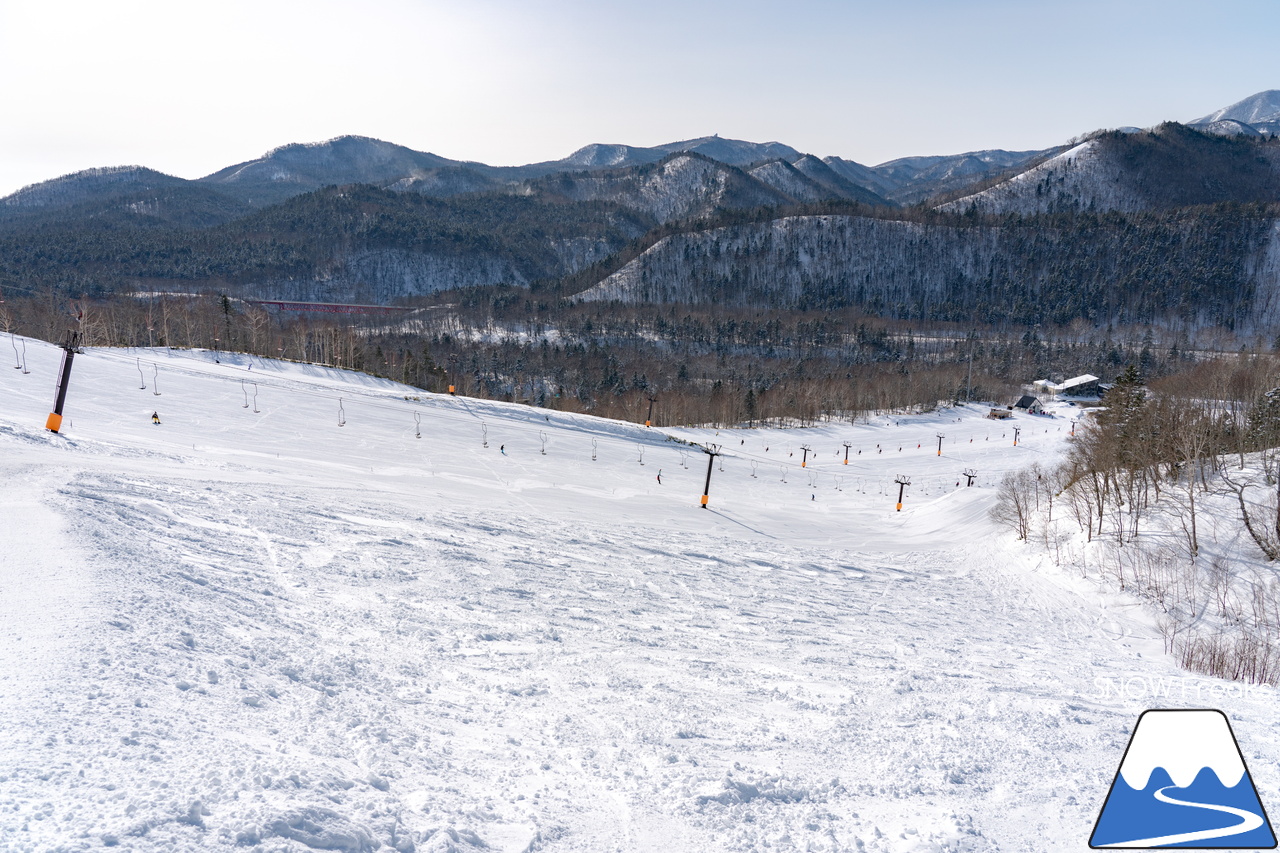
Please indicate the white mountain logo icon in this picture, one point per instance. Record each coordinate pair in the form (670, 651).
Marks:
(1183, 783)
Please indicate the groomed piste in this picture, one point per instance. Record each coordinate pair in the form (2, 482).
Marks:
(311, 609)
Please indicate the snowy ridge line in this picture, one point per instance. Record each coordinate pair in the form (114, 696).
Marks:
(110, 353)
(368, 398)
(582, 423)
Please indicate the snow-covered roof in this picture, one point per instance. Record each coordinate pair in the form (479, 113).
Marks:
(1077, 380)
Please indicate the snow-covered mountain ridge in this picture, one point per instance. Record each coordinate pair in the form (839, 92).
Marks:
(301, 167)
(679, 187)
(284, 236)
(298, 168)
(1258, 113)
(1166, 167)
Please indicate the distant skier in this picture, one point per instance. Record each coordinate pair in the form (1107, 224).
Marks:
(503, 449)
(155, 417)
(659, 476)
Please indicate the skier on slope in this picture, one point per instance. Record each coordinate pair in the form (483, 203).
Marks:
(155, 417)
(659, 476)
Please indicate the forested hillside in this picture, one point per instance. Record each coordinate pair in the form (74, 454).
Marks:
(1202, 267)
(1170, 227)
(124, 196)
(679, 187)
(1168, 167)
(912, 180)
(337, 244)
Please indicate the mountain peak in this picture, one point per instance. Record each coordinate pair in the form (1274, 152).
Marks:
(605, 155)
(78, 185)
(1255, 109)
(735, 152)
(341, 160)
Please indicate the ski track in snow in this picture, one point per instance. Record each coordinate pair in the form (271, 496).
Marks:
(372, 639)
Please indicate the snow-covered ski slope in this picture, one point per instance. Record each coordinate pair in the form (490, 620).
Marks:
(259, 629)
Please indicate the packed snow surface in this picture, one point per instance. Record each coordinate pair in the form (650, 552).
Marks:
(280, 620)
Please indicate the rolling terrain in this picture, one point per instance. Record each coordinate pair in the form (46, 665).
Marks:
(282, 618)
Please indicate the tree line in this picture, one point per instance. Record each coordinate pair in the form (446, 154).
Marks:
(1136, 483)
(702, 365)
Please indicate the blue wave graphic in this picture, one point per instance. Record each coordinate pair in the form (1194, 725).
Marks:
(1131, 815)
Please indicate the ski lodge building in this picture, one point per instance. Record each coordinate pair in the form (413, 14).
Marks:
(1078, 386)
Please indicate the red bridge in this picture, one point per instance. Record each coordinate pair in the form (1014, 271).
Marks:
(327, 307)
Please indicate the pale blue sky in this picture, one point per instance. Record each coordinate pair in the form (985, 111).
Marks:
(190, 87)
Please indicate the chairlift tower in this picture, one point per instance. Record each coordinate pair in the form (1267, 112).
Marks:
(712, 451)
(903, 481)
(69, 349)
